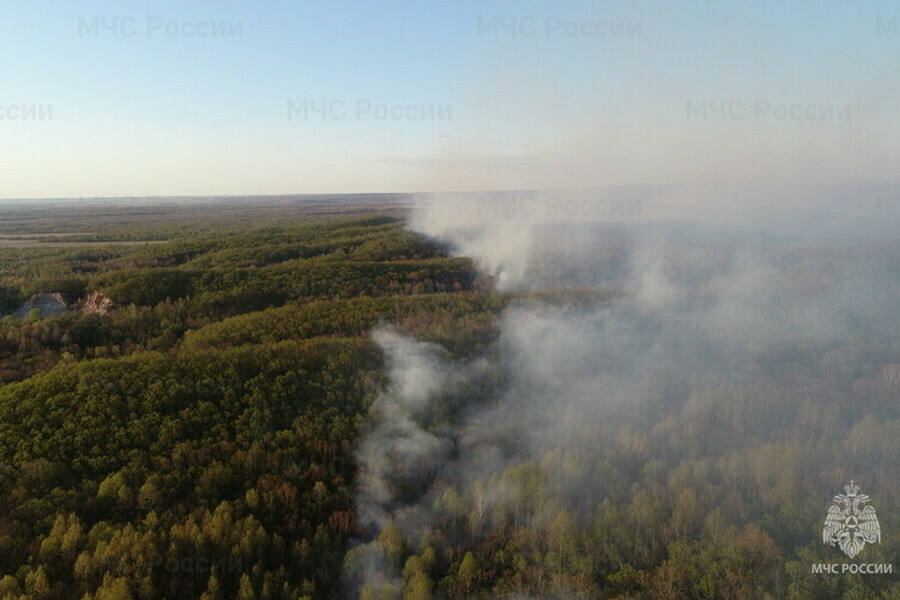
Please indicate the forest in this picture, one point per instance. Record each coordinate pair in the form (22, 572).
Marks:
(213, 431)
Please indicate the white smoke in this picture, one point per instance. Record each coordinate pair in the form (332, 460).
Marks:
(576, 374)
(401, 450)
(398, 447)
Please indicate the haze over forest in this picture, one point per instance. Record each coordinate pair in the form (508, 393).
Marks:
(590, 300)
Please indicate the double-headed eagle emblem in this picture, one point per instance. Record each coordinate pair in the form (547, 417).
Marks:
(849, 524)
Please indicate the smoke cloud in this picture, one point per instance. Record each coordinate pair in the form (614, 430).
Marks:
(700, 293)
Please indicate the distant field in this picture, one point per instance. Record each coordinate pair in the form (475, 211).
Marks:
(161, 219)
(42, 242)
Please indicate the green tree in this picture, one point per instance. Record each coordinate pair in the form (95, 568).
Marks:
(419, 587)
(467, 573)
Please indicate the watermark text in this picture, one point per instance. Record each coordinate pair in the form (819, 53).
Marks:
(762, 109)
(556, 27)
(361, 109)
(156, 27)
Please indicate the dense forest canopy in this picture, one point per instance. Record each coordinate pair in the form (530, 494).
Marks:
(309, 400)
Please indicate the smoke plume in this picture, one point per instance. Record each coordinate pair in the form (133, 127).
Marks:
(687, 296)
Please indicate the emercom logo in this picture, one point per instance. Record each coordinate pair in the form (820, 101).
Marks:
(850, 524)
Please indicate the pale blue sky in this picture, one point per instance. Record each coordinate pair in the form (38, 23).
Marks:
(137, 110)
